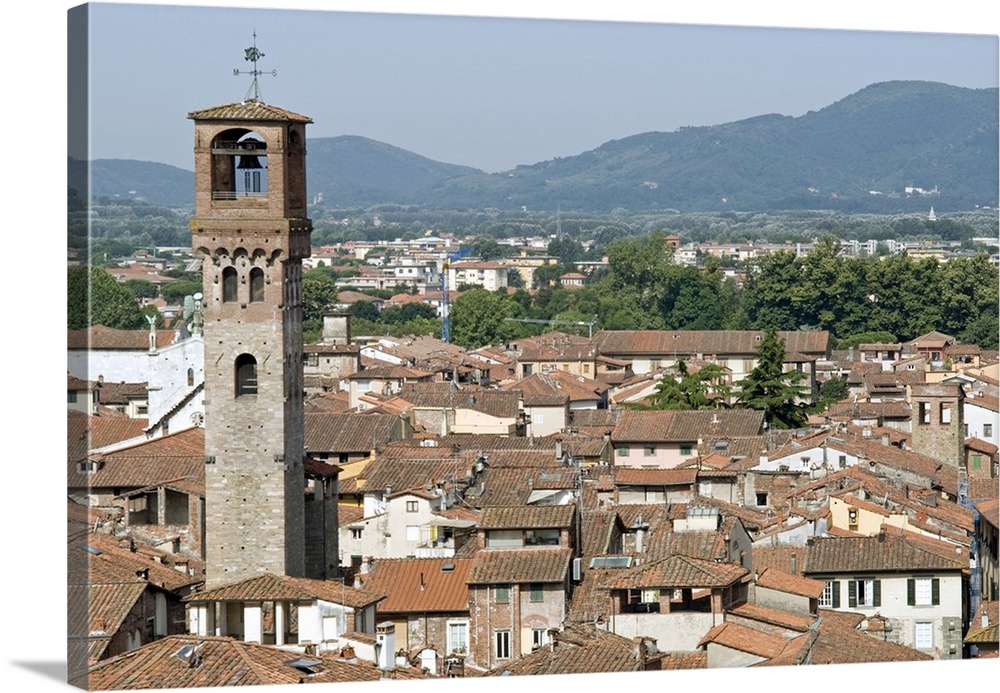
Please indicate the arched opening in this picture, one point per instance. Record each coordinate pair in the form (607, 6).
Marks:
(256, 285)
(239, 165)
(230, 284)
(246, 375)
(190, 377)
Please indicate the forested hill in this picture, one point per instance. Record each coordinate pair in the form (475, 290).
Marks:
(891, 147)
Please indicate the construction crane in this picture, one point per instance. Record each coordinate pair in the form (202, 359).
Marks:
(590, 325)
(445, 298)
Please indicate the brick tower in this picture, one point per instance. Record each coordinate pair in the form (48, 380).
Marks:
(251, 232)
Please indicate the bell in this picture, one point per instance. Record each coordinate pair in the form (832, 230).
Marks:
(248, 161)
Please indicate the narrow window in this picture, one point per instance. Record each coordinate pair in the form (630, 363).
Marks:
(246, 375)
(230, 283)
(256, 285)
(190, 377)
(535, 592)
(502, 645)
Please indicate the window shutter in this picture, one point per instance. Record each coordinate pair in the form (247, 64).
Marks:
(877, 589)
(852, 594)
(836, 594)
(911, 591)
(935, 591)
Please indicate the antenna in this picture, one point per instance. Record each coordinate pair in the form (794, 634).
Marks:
(252, 55)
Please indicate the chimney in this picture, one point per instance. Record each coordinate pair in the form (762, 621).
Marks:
(385, 646)
(795, 566)
(559, 450)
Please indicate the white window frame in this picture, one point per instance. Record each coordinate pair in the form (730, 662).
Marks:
(922, 591)
(458, 637)
(923, 635)
(501, 644)
(539, 637)
(412, 532)
(868, 592)
(826, 598)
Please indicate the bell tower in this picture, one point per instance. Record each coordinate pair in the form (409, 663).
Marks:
(251, 232)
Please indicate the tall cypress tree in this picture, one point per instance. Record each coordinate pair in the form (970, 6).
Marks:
(773, 389)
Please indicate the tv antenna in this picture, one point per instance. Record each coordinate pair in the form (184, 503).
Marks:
(252, 55)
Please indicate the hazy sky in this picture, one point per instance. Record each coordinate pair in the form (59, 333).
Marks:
(483, 91)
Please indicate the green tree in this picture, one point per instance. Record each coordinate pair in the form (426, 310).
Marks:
(142, 288)
(318, 294)
(175, 291)
(769, 387)
(479, 318)
(705, 388)
(94, 297)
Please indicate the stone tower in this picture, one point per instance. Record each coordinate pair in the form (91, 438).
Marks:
(251, 232)
(937, 421)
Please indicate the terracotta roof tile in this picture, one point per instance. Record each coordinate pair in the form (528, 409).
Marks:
(774, 617)
(641, 426)
(158, 460)
(349, 432)
(420, 585)
(839, 642)
(831, 555)
(522, 565)
(528, 517)
(221, 662)
(102, 338)
(586, 650)
(745, 639)
(271, 587)
(677, 571)
(774, 579)
(248, 110)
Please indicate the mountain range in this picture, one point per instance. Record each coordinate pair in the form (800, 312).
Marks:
(891, 147)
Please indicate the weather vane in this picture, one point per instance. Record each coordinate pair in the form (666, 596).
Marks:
(252, 55)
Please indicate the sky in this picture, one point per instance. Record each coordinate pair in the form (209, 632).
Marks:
(487, 92)
(163, 67)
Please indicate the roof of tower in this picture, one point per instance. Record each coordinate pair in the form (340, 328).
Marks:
(248, 110)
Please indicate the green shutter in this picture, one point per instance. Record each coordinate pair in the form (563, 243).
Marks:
(911, 591)
(878, 592)
(852, 594)
(836, 594)
(935, 591)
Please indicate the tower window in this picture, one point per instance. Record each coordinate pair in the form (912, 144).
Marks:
(229, 284)
(246, 375)
(256, 285)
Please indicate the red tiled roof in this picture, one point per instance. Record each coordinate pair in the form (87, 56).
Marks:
(221, 662)
(718, 342)
(676, 571)
(774, 579)
(521, 565)
(642, 426)
(420, 585)
(745, 639)
(349, 432)
(267, 586)
(102, 338)
(158, 460)
(579, 649)
(527, 517)
(775, 617)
